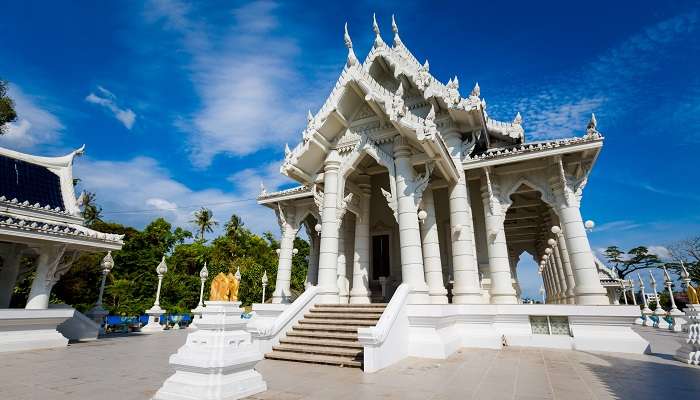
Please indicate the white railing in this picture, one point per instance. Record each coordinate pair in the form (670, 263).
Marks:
(268, 334)
(387, 342)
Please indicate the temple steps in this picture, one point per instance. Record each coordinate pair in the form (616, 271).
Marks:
(328, 335)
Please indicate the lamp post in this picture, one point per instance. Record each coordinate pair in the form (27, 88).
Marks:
(264, 284)
(155, 312)
(203, 275)
(98, 313)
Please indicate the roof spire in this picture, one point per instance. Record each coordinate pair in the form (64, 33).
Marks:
(518, 120)
(395, 29)
(476, 91)
(455, 82)
(592, 124)
(426, 65)
(378, 42)
(352, 59)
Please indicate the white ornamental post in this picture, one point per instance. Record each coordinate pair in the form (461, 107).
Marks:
(630, 282)
(646, 311)
(155, 312)
(203, 275)
(264, 284)
(658, 310)
(542, 292)
(674, 312)
(98, 313)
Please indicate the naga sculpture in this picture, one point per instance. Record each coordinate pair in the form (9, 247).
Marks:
(692, 295)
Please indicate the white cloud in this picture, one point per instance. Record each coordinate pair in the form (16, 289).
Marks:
(661, 251)
(608, 84)
(244, 75)
(35, 124)
(108, 100)
(616, 226)
(136, 191)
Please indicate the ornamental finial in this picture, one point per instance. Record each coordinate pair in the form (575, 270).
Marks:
(431, 113)
(375, 26)
(287, 151)
(309, 117)
(518, 120)
(476, 92)
(263, 189)
(593, 123)
(395, 29)
(399, 91)
(346, 37)
(455, 82)
(352, 59)
(426, 65)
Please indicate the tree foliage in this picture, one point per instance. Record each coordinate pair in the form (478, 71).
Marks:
(688, 251)
(7, 108)
(635, 259)
(131, 285)
(204, 221)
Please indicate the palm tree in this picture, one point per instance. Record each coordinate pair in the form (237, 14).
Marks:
(204, 221)
(233, 226)
(92, 212)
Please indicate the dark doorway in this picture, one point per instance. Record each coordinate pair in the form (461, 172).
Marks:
(380, 256)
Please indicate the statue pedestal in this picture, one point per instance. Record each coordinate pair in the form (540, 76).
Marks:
(154, 325)
(217, 361)
(690, 350)
(196, 317)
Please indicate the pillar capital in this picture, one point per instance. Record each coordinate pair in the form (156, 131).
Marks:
(332, 161)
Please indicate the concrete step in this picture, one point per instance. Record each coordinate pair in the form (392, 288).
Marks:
(327, 328)
(316, 341)
(371, 305)
(320, 350)
(345, 336)
(337, 321)
(343, 315)
(314, 358)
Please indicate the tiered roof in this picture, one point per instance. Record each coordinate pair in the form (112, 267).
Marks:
(38, 203)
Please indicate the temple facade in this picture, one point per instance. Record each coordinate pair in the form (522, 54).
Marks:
(405, 180)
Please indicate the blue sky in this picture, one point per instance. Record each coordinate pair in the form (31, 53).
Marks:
(182, 105)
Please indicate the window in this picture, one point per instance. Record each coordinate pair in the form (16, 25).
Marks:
(546, 325)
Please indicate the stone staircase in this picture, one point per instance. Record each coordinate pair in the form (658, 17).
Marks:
(328, 335)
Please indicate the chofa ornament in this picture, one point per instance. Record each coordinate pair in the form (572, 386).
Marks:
(225, 287)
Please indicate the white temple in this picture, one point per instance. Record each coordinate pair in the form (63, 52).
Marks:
(405, 182)
(40, 215)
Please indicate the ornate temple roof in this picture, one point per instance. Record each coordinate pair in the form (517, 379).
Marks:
(38, 203)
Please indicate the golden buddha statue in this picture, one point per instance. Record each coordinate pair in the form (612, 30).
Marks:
(692, 294)
(219, 288)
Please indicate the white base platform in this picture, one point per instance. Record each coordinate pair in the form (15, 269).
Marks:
(22, 330)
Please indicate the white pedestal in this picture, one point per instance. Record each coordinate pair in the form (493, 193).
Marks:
(196, 316)
(217, 361)
(690, 349)
(154, 325)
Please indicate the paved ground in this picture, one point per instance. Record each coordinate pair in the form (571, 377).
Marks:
(133, 367)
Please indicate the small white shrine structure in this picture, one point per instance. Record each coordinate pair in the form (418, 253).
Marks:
(412, 194)
(40, 215)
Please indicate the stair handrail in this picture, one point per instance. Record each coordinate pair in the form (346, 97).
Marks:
(267, 331)
(377, 334)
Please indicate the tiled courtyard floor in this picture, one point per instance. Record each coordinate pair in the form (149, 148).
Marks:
(133, 367)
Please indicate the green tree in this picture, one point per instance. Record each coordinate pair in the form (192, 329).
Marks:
(7, 108)
(635, 259)
(688, 251)
(204, 221)
(92, 213)
(233, 226)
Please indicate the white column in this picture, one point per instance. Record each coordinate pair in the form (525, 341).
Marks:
(289, 228)
(566, 261)
(11, 257)
(431, 251)
(47, 266)
(466, 288)
(560, 272)
(342, 267)
(555, 278)
(328, 252)
(360, 293)
(588, 289)
(502, 291)
(409, 232)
